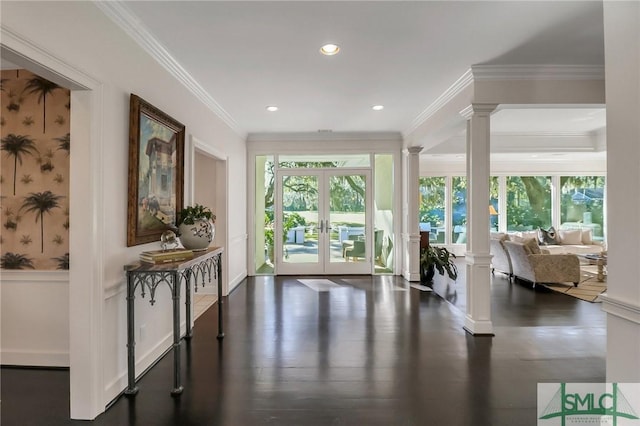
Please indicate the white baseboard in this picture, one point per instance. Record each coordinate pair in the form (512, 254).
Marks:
(34, 358)
(237, 280)
(119, 384)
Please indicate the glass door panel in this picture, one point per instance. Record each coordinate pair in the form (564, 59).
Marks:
(325, 228)
(347, 216)
(299, 219)
(350, 233)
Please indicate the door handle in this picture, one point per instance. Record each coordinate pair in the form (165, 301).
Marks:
(321, 226)
(328, 225)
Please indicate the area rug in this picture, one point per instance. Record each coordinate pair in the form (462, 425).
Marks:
(589, 288)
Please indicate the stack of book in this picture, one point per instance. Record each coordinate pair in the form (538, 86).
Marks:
(165, 256)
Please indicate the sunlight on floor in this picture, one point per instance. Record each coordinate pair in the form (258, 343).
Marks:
(202, 302)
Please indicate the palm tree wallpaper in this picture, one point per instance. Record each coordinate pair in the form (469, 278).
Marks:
(34, 173)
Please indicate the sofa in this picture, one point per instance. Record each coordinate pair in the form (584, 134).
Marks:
(531, 264)
(566, 241)
(575, 241)
(500, 260)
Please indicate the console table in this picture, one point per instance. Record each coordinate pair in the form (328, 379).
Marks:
(147, 276)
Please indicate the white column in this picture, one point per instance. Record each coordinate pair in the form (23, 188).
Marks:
(478, 257)
(622, 301)
(411, 237)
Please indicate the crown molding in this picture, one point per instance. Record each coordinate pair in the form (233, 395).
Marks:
(454, 90)
(537, 72)
(122, 16)
(25, 53)
(479, 109)
(324, 136)
(543, 134)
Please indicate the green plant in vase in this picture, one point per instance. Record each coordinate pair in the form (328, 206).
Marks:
(434, 258)
(196, 227)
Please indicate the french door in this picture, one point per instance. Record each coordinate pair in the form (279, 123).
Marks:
(324, 222)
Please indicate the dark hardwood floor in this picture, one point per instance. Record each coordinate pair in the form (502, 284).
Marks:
(371, 351)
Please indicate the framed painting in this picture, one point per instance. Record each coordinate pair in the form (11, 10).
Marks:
(156, 172)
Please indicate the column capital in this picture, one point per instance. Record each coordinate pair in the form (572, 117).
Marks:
(478, 108)
(414, 149)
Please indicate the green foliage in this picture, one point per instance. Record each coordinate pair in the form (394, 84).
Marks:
(291, 220)
(64, 143)
(301, 192)
(16, 146)
(439, 258)
(41, 203)
(63, 261)
(268, 237)
(15, 261)
(41, 87)
(189, 214)
(528, 202)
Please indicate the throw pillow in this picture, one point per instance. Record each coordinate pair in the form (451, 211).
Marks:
(548, 236)
(529, 234)
(531, 246)
(499, 236)
(571, 236)
(587, 236)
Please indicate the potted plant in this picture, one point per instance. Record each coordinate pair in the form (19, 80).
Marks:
(196, 227)
(435, 258)
(268, 242)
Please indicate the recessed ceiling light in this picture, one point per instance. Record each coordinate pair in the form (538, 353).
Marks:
(377, 107)
(330, 49)
(272, 108)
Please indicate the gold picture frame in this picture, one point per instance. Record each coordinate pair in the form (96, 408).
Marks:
(156, 172)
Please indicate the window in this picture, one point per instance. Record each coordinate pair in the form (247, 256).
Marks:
(582, 204)
(432, 207)
(528, 202)
(459, 209)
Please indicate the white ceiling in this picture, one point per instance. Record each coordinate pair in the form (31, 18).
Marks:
(248, 55)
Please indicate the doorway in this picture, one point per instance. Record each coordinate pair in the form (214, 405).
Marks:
(325, 221)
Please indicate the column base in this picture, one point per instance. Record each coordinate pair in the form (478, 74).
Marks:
(478, 327)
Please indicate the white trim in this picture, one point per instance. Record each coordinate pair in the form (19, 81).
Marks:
(537, 72)
(454, 90)
(123, 17)
(478, 327)
(25, 53)
(323, 136)
(620, 308)
(114, 290)
(233, 283)
(239, 238)
(480, 259)
(86, 273)
(34, 357)
(35, 276)
(143, 362)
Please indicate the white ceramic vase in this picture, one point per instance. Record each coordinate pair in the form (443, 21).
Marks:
(198, 235)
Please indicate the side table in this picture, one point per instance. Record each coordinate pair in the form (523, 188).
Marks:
(148, 276)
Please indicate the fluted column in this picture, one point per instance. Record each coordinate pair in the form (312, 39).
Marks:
(411, 236)
(478, 257)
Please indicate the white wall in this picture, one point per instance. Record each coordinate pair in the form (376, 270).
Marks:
(35, 318)
(82, 37)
